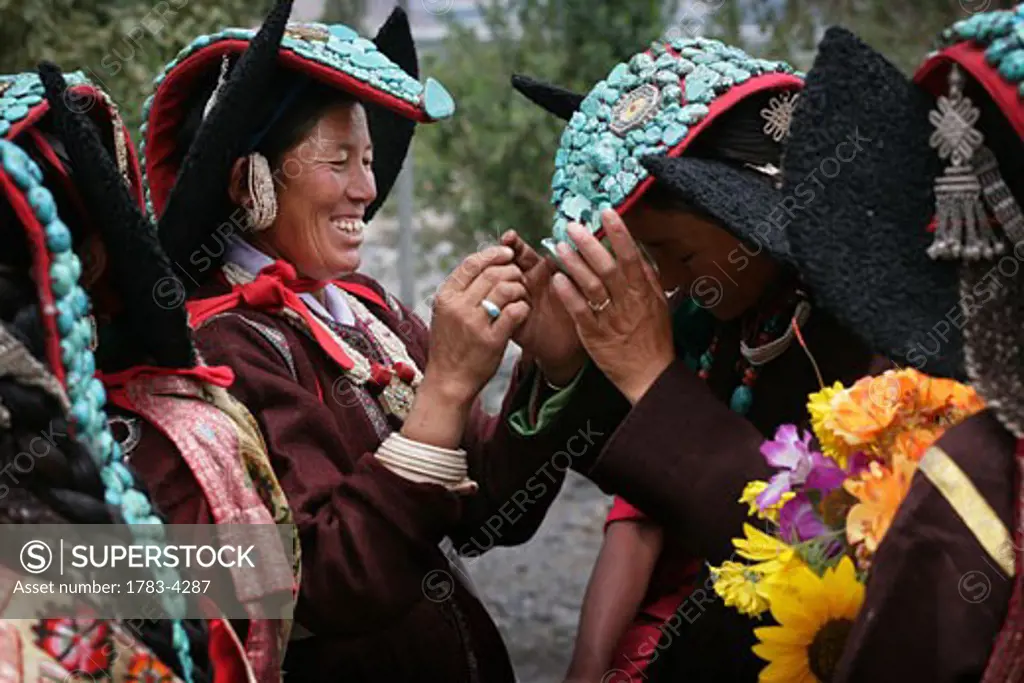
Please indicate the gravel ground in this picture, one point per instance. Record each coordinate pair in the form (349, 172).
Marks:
(534, 591)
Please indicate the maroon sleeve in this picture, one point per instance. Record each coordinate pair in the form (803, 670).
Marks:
(680, 455)
(519, 477)
(364, 530)
(935, 600)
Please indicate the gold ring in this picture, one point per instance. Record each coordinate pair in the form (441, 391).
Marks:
(597, 308)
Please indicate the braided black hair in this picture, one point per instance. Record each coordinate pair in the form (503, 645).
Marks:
(64, 486)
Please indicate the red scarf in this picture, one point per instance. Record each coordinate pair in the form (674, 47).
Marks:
(275, 288)
(115, 383)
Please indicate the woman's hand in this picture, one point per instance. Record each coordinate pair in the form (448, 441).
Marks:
(466, 345)
(618, 306)
(548, 334)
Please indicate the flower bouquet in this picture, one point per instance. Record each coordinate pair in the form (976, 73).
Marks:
(827, 507)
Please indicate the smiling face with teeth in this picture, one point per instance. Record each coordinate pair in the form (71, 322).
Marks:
(323, 185)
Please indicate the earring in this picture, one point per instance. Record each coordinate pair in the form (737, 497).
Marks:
(263, 209)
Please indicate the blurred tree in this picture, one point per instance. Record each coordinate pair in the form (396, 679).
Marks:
(490, 166)
(790, 29)
(120, 44)
(348, 12)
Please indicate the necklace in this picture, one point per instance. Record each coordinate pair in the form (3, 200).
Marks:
(771, 336)
(394, 383)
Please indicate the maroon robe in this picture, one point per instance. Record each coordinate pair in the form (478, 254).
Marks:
(377, 592)
(935, 600)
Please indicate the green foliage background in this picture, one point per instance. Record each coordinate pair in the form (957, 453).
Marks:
(489, 167)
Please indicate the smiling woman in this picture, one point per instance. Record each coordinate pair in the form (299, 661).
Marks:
(372, 422)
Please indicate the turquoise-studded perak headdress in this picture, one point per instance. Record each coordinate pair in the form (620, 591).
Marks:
(381, 73)
(652, 106)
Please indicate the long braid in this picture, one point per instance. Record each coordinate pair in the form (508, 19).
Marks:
(64, 486)
(93, 442)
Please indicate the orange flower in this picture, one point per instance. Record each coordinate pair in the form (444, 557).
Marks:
(879, 491)
(912, 444)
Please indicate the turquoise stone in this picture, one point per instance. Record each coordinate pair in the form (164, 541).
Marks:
(577, 121)
(412, 87)
(61, 277)
(560, 158)
(589, 106)
(705, 59)
(602, 157)
(666, 78)
(370, 60)
(342, 32)
(999, 48)
(364, 44)
(630, 165)
(65, 323)
(80, 301)
(575, 207)
(41, 201)
(658, 48)
(699, 84)
(692, 113)
(652, 134)
(30, 100)
(1012, 66)
(4, 127)
(111, 481)
(674, 134)
(665, 61)
(671, 94)
(741, 400)
(683, 67)
(627, 181)
(618, 195)
(113, 499)
(559, 180)
(24, 85)
(559, 231)
(135, 504)
(604, 112)
(641, 62)
(436, 101)
(618, 75)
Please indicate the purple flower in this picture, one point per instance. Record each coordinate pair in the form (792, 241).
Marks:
(792, 453)
(799, 522)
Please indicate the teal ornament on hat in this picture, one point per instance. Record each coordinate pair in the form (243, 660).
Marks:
(648, 117)
(338, 47)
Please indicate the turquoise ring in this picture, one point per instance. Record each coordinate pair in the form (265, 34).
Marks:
(493, 312)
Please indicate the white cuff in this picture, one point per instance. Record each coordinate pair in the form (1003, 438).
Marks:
(423, 463)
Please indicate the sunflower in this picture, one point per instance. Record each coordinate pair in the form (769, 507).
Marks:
(814, 622)
(771, 513)
(737, 584)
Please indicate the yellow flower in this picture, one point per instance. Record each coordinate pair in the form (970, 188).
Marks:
(814, 622)
(820, 407)
(767, 552)
(880, 491)
(737, 584)
(753, 490)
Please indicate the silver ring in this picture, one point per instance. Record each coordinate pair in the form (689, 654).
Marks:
(597, 308)
(493, 312)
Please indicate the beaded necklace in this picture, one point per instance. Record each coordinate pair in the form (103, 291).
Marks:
(394, 383)
(764, 329)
